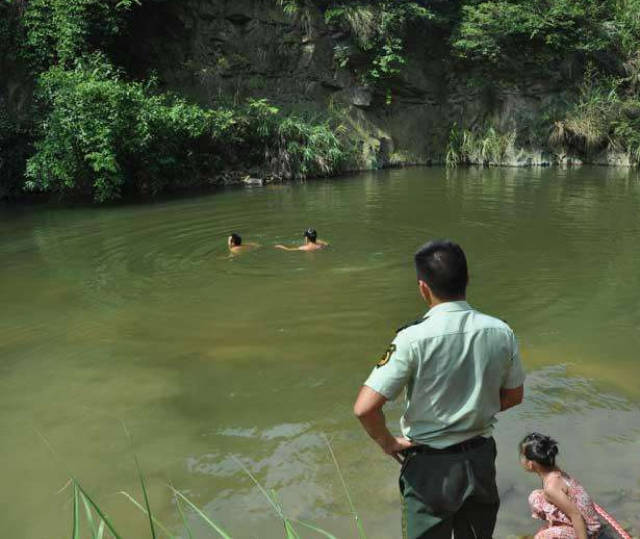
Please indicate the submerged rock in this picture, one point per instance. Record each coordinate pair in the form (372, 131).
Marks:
(254, 182)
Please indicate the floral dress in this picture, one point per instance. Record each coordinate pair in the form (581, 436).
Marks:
(558, 524)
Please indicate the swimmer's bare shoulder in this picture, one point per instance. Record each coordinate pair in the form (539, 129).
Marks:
(245, 247)
(316, 246)
(306, 247)
(310, 242)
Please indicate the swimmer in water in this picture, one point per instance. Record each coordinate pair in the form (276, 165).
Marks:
(236, 246)
(311, 242)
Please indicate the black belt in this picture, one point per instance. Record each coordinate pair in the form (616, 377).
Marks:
(461, 447)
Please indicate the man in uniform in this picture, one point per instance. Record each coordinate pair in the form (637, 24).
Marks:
(460, 368)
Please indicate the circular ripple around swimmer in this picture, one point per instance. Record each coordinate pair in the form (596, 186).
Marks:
(157, 254)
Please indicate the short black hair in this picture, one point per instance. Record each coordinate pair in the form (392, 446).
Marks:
(311, 234)
(443, 266)
(236, 239)
(539, 448)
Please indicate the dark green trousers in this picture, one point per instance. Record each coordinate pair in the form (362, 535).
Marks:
(450, 493)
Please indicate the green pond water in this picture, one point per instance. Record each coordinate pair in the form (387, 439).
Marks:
(136, 315)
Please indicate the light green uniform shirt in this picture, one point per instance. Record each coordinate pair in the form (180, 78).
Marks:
(453, 364)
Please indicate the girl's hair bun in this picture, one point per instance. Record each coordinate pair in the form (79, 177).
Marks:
(539, 448)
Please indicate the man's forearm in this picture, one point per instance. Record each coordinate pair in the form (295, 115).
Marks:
(510, 397)
(506, 403)
(375, 425)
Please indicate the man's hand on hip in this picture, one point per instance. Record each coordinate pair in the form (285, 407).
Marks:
(395, 445)
(368, 409)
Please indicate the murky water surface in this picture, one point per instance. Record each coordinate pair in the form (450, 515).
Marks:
(136, 315)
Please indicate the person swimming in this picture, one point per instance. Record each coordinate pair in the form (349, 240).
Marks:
(311, 242)
(234, 242)
(562, 501)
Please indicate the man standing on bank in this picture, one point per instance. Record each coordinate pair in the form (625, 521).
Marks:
(460, 368)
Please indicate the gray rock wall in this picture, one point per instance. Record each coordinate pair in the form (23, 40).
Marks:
(216, 50)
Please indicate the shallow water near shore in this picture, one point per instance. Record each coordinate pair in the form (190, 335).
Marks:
(137, 314)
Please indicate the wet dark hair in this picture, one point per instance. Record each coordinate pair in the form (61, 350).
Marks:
(311, 234)
(443, 266)
(539, 448)
(236, 239)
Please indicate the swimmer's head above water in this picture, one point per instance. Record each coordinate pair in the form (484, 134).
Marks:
(234, 240)
(310, 235)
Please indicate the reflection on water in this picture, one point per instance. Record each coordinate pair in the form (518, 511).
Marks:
(137, 314)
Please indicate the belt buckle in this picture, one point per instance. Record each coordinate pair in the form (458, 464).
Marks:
(409, 452)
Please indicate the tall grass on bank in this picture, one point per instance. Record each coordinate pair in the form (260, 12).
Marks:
(586, 126)
(605, 117)
(97, 525)
(487, 148)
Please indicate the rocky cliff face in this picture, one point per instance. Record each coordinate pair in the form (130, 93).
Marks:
(215, 49)
(212, 50)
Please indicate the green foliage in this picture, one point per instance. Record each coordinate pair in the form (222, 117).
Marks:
(59, 31)
(290, 146)
(587, 124)
(93, 514)
(290, 7)
(484, 32)
(603, 117)
(377, 28)
(487, 147)
(103, 134)
(493, 31)
(627, 26)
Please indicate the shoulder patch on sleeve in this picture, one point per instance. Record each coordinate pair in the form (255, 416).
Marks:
(387, 356)
(414, 323)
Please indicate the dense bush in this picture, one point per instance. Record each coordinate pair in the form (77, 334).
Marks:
(533, 29)
(104, 136)
(59, 31)
(293, 145)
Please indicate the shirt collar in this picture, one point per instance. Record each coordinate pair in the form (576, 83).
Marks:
(448, 307)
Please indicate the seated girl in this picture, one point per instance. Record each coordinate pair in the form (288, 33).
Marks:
(562, 501)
